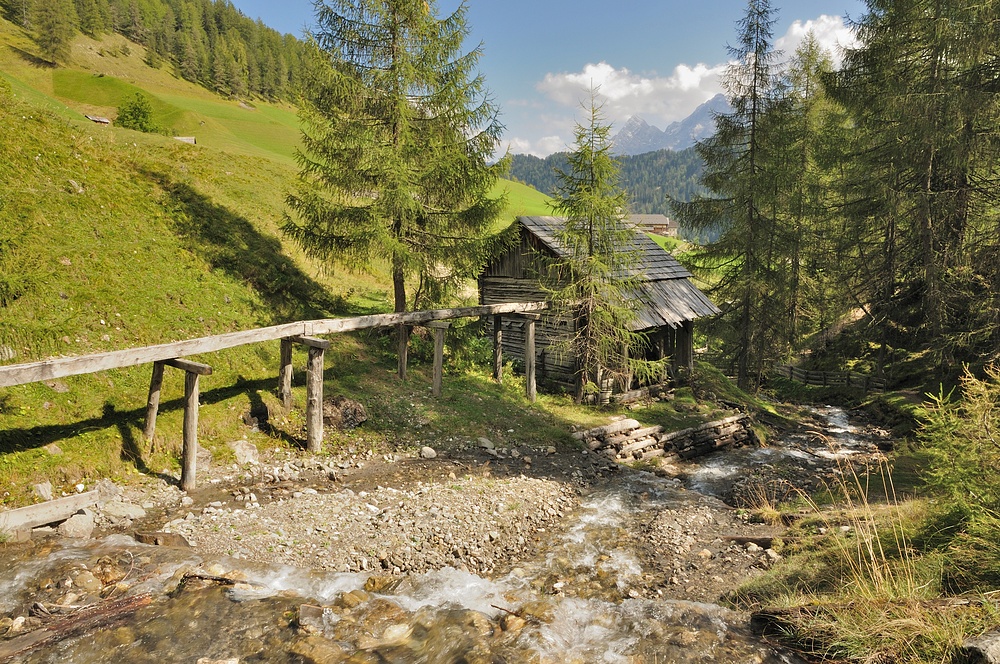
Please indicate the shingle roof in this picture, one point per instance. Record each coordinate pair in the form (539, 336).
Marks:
(668, 296)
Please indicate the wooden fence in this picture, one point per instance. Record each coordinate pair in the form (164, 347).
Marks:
(303, 332)
(832, 378)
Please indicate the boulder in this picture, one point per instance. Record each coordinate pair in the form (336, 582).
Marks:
(983, 649)
(427, 453)
(245, 451)
(78, 526)
(339, 412)
(203, 459)
(119, 509)
(162, 539)
(43, 490)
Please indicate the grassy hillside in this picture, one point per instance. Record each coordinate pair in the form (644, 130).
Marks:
(111, 239)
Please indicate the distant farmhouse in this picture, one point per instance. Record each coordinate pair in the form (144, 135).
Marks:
(654, 223)
(670, 303)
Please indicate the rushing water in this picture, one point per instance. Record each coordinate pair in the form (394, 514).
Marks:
(839, 439)
(575, 602)
(570, 604)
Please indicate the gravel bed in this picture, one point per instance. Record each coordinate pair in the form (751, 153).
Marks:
(474, 523)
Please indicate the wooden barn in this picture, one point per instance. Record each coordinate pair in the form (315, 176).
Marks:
(670, 302)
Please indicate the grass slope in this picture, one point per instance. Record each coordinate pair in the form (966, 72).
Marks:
(112, 239)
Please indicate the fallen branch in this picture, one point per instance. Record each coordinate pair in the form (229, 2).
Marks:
(85, 620)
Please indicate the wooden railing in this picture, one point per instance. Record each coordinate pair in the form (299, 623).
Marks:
(832, 378)
(303, 332)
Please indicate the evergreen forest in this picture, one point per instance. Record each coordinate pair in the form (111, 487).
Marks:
(208, 42)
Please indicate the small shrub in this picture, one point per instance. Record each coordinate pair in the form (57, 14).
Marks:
(136, 113)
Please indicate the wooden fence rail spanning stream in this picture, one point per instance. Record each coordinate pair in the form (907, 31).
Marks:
(302, 332)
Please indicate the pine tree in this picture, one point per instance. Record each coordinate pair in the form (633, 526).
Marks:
(398, 132)
(739, 170)
(54, 25)
(595, 284)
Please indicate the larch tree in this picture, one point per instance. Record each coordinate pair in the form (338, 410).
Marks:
(922, 87)
(740, 173)
(595, 283)
(398, 133)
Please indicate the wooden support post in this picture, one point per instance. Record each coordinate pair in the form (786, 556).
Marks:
(439, 327)
(314, 389)
(189, 466)
(402, 344)
(529, 354)
(153, 402)
(314, 400)
(498, 348)
(285, 374)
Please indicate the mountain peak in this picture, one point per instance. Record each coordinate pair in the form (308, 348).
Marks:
(638, 136)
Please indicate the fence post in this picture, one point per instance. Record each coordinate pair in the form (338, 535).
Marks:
(189, 467)
(285, 374)
(153, 402)
(439, 327)
(498, 348)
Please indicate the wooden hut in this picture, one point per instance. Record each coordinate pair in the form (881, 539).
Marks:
(670, 303)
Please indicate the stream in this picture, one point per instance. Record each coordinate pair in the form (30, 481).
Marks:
(570, 603)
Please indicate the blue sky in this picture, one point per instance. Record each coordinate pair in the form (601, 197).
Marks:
(658, 59)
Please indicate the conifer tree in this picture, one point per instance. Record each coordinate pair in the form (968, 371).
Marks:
(54, 25)
(595, 283)
(739, 171)
(398, 130)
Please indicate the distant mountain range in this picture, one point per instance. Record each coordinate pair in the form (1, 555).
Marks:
(640, 137)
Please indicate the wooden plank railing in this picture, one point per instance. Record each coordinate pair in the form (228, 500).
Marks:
(832, 378)
(302, 332)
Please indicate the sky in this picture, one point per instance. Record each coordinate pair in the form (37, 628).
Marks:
(658, 59)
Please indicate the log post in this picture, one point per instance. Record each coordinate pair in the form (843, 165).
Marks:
(153, 402)
(402, 343)
(189, 467)
(529, 354)
(189, 453)
(498, 348)
(285, 374)
(439, 328)
(314, 391)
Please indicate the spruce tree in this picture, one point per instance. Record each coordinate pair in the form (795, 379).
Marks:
(595, 284)
(54, 25)
(740, 173)
(398, 132)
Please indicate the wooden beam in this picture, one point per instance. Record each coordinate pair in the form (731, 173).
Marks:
(312, 342)
(529, 359)
(190, 367)
(498, 348)
(285, 374)
(439, 328)
(335, 325)
(34, 372)
(314, 400)
(153, 401)
(50, 511)
(189, 467)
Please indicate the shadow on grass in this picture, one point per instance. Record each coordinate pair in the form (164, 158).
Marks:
(33, 59)
(129, 421)
(230, 243)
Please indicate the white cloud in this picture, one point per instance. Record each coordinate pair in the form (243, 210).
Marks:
(830, 31)
(659, 99)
